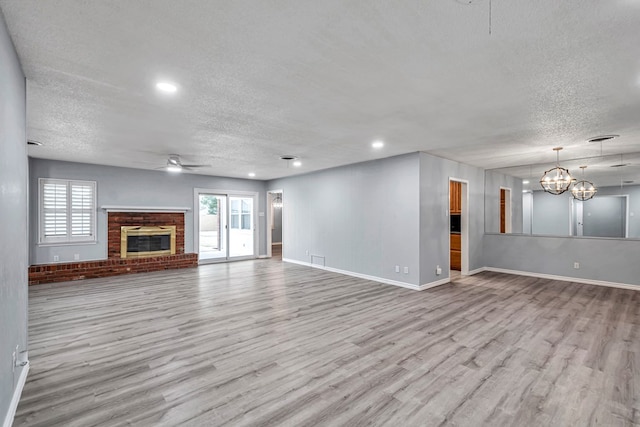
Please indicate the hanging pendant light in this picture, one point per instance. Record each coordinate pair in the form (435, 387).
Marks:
(583, 190)
(557, 180)
(277, 202)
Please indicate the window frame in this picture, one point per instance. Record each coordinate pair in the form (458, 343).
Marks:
(68, 238)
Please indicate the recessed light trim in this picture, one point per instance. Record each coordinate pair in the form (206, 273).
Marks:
(288, 157)
(526, 181)
(377, 144)
(166, 87)
(601, 138)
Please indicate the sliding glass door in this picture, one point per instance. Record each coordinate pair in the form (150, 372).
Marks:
(213, 226)
(226, 226)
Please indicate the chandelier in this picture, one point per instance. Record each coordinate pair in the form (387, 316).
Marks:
(583, 190)
(557, 180)
(277, 202)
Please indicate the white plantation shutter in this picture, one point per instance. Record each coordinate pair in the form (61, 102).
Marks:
(54, 207)
(67, 211)
(82, 209)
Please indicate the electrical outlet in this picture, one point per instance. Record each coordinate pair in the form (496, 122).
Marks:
(76, 257)
(406, 270)
(438, 270)
(397, 269)
(56, 258)
(576, 265)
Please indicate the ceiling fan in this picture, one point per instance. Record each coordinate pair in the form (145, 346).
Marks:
(174, 164)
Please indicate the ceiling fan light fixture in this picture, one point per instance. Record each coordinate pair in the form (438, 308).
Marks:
(601, 138)
(174, 168)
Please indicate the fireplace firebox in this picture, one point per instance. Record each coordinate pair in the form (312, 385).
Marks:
(142, 241)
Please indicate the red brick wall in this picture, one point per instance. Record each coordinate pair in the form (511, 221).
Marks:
(117, 219)
(63, 272)
(115, 265)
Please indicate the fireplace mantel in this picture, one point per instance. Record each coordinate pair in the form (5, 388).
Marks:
(155, 209)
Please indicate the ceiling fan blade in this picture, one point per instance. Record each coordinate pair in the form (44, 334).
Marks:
(196, 166)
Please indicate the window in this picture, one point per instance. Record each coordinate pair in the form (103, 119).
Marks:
(67, 211)
(240, 214)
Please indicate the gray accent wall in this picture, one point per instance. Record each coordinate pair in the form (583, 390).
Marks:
(435, 173)
(13, 218)
(610, 260)
(361, 218)
(129, 187)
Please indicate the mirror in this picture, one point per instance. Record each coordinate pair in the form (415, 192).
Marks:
(611, 213)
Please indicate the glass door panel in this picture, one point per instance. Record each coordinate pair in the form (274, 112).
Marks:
(241, 226)
(213, 226)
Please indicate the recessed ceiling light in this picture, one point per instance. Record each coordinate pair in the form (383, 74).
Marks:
(166, 87)
(252, 174)
(36, 143)
(525, 181)
(297, 163)
(377, 144)
(601, 138)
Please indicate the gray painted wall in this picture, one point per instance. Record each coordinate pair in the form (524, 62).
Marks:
(633, 191)
(13, 217)
(551, 214)
(493, 182)
(611, 260)
(434, 223)
(362, 218)
(129, 187)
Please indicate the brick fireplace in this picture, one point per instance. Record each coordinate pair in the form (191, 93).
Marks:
(115, 264)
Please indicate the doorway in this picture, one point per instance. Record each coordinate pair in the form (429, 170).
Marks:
(458, 226)
(275, 201)
(225, 225)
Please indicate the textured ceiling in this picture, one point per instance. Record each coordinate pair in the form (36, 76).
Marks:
(322, 79)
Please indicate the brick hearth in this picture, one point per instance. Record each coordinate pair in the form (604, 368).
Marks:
(114, 265)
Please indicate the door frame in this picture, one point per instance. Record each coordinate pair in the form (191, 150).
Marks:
(508, 210)
(269, 210)
(227, 194)
(464, 225)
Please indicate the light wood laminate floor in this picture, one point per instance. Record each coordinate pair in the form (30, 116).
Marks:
(261, 343)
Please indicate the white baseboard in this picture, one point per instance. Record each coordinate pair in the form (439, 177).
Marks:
(372, 278)
(13, 406)
(434, 284)
(565, 278)
(263, 256)
(476, 271)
